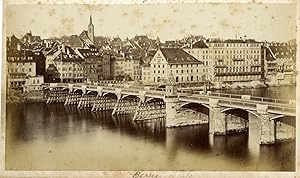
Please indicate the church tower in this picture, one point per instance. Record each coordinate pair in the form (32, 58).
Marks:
(91, 29)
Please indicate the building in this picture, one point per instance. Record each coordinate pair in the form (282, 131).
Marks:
(106, 61)
(93, 63)
(184, 67)
(13, 43)
(204, 54)
(28, 39)
(126, 67)
(233, 60)
(23, 63)
(33, 83)
(69, 65)
(285, 57)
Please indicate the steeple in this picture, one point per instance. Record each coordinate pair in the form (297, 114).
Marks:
(91, 20)
(91, 29)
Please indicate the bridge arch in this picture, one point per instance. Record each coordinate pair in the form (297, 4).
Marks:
(234, 112)
(149, 100)
(92, 93)
(203, 108)
(134, 97)
(110, 95)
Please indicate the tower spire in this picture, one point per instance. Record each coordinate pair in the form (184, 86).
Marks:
(91, 20)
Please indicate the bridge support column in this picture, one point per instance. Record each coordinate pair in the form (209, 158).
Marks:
(217, 119)
(267, 126)
(171, 104)
(267, 129)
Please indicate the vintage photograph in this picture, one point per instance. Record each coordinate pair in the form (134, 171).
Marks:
(157, 87)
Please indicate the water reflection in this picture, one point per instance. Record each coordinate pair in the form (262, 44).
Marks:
(58, 137)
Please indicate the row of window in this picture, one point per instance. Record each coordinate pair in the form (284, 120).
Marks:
(71, 74)
(176, 65)
(238, 69)
(16, 70)
(242, 62)
(24, 63)
(20, 58)
(234, 44)
(181, 79)
(237, 77)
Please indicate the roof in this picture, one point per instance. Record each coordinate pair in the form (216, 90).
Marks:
(283, 51)
(232, 41)
(199, 44)
(73, 40)
(68, 58)
(269, 55)
(177, 55)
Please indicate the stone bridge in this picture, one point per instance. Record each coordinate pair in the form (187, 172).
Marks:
(226, 113)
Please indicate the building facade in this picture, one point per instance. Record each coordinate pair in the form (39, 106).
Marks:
(92, 62)
(23, 63)
(184, 67)
(69, 66)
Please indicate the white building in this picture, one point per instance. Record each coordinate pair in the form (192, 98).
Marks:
(184, 67)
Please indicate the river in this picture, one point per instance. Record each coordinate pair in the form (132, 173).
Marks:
(43, 136)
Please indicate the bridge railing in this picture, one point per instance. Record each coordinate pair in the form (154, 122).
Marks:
(282, 109)
(272, 100)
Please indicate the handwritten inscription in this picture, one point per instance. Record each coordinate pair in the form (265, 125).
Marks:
(139, 174)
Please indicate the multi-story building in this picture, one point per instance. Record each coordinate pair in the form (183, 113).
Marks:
(184, 67)
(106, 61)
(237, 60)
(285, 57)
(93, 65)
(126, 67)
(23, 63)
(230, 60)
(69, 65)
(204, 54)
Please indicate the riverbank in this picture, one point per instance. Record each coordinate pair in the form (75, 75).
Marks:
(18, 96)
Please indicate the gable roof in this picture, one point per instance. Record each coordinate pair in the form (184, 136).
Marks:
(199, 44)
(177, 55)
(283, 51)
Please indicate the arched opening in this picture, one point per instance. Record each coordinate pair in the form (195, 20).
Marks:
(177, 79)
(92, 93)
(196, 107)
(110, 96)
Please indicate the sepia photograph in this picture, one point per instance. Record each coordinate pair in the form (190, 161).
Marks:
(149, 87)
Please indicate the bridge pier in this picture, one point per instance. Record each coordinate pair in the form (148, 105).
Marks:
(267, 130)
(217, 120)
(171, 111)
(267, 125)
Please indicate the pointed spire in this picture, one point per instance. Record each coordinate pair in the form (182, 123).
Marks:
(91, 20)
(30, 32)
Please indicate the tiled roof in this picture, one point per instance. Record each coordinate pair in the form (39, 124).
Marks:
(282, 52)
(68, 58)
(269, 55)
(73, 40)
(199, 44)
(177, 55)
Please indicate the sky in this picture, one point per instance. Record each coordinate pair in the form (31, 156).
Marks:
(271, 22)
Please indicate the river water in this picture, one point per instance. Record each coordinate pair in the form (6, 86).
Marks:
(43, 136)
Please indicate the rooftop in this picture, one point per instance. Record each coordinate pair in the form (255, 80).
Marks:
(177, 55)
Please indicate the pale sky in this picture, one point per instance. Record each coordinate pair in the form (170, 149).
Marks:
(272, 22)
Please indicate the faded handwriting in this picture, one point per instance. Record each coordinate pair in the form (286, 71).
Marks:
(139, 174)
